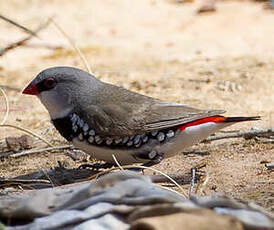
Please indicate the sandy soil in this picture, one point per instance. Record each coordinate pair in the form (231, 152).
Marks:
(221, 60)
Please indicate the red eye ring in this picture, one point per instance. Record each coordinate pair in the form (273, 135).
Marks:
(49, 83)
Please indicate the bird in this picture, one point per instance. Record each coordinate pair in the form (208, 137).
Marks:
(105, 120)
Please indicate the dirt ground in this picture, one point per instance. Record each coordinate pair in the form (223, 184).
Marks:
(219, 60)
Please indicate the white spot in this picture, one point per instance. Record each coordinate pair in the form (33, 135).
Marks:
(86, 127)
(81, 137)
(109, 141)
(130, 143)
(170, 133)
(154, 133)
(161, 136)
(91, 132)
(152, 154)
(91, 139)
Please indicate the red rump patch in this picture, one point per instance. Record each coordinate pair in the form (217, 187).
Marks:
(201, 121)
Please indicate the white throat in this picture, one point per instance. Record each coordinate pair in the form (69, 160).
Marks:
(55, 105)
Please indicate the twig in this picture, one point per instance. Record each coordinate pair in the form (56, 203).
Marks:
(47, 176)
(8, 182)
(202, 183)
(192, 183)
(185, 178)
(246, 134)
(29, 132)
(73, 44)
(22, 41)
(7, 107)
(31, 151)
(10, 88)
(18, 25)
(196, 152)
(194, 171)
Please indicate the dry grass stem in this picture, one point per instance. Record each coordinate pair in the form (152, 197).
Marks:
(22, 41)
(4, 182)
(28, 132)
(73, 44)
(31, 151)
(18, 25)
(7, 107)
(116, 161)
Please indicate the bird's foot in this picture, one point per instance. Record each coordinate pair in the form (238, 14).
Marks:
(96, 166)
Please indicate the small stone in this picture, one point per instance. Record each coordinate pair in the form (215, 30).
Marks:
(131, 138)
(130, 143)
(80, 137)
(152, 154)
(98, 140)
(91, 139)
(91, 132)
(18, 143)
(170, 133)
(154, 133)
(161, 137)
(86, 127)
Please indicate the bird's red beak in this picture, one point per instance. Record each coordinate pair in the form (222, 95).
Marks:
(31, 89)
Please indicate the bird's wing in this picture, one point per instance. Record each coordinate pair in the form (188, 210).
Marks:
(120, 121)
(127, 113)
(169, 115)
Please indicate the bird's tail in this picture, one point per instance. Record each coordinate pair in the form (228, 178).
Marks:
(240, 119)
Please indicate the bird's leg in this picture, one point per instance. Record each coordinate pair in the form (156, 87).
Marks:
(97, 166)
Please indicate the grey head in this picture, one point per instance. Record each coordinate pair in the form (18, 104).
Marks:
(61, 88)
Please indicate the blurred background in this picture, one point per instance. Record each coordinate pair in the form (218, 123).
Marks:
(207, 54)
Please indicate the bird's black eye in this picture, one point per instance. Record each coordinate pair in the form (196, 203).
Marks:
(49, 83)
